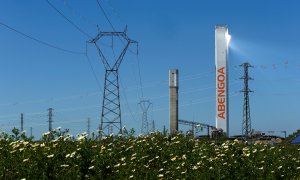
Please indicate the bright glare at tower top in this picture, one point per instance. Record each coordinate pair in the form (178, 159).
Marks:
(222, 39)
(228, 38)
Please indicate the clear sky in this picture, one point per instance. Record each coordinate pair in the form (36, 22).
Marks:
(171, 34)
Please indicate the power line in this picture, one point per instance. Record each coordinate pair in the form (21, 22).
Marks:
(77, 13)
(198, 101)
(115, 12)
(127, 104)
(112, 26)
(94, 73)
(73, 24)
(105, 15)
(40, 41)
(140, 77)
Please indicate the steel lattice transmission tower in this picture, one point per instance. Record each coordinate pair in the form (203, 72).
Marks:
(145, 105)
(111, 109)
(246, 129)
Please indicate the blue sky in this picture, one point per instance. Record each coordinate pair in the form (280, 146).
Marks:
(171, 34)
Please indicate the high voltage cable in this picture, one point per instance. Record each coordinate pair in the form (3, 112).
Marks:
(105, 15)
(140, 77)
(88, 94)
(93, 70)
(52, 46)
(110, 23)
(126, 100)
(47, 44)
(73, 24)
(94, 73)
(78, 13)
(196, 101)
(40, 41)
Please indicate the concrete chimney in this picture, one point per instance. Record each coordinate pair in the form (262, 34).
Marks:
(173, 84)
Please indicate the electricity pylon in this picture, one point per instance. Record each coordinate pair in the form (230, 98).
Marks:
(145, 105)
(111, 108)
(246, 129)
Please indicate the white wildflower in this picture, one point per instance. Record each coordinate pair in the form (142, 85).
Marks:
(50, 156)
(173, 159)
(46, 133)
(72, 154)
(195, 167)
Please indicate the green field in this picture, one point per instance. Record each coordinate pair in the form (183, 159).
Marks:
(153, 156)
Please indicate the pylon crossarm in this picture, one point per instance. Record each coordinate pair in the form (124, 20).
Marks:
(102, 34)
(145, 106)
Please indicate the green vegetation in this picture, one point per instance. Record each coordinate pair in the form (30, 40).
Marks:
(151, 156)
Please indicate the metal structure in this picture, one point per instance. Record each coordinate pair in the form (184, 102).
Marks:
(246, 128)
(173, 84)
(31, 132)
(110, 129)
(145, 105)
(283, 132)
(50, 111)
(196, 125)
(88, 127)
(222, 39)
(22, 122)
(111, 108)
(152, 126)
